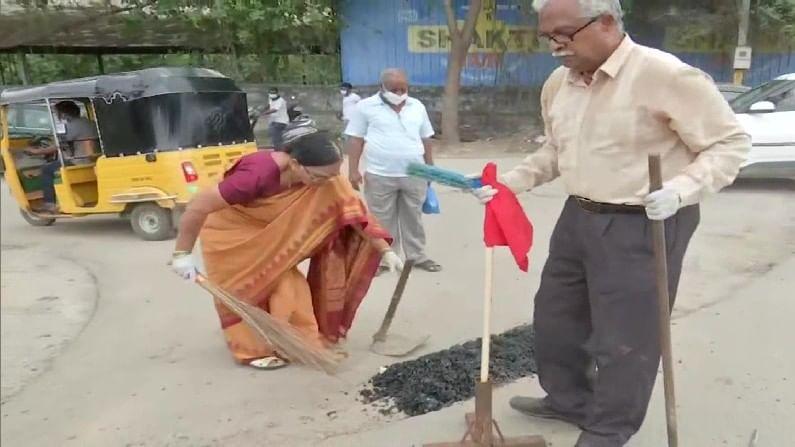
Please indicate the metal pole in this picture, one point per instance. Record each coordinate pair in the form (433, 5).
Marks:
(742, 36)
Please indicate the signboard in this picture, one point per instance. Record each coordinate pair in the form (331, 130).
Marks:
(742, 58)
(492, 35)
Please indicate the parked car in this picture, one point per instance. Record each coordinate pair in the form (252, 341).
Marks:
(768, 114)
(731, 91)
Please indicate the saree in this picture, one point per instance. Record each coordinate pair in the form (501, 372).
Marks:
(253, 251)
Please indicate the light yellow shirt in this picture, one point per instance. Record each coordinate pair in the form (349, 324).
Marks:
(641, 101)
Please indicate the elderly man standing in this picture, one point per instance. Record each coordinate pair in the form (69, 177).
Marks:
(612, 104)
(395, 130)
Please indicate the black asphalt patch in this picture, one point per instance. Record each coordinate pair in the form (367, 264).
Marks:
(437, 380)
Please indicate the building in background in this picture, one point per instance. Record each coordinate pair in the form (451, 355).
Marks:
(412, 34)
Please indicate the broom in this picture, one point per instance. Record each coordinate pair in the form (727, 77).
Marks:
(281, 336)
(443, 176)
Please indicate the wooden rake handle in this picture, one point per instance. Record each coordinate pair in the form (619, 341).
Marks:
(393, 303)
(663, 305)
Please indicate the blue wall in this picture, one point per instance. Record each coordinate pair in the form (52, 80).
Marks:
(407, 34)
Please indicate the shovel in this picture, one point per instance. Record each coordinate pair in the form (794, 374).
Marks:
(396, 345)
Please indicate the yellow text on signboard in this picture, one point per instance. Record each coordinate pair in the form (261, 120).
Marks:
(487, 39)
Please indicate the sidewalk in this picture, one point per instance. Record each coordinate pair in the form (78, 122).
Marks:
(44, 303)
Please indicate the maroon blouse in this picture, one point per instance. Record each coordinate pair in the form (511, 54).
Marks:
(254, 176)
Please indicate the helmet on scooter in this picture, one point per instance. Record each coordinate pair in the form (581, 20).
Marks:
(297, 129)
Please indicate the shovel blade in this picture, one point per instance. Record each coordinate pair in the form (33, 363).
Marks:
(397, 345)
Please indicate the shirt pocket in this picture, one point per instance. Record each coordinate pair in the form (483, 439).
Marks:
(619, 131)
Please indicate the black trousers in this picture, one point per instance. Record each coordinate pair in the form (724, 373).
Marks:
(598, 347)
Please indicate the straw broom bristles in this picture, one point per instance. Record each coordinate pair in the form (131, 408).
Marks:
(284, 339)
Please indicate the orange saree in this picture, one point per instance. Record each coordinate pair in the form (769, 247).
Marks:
(253, 251)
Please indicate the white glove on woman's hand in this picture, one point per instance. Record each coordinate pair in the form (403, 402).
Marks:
(392, 261)
(662, 204)
(183, 265)
(484, 194)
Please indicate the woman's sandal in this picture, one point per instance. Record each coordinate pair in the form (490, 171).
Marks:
(268, 363)
(428, 266)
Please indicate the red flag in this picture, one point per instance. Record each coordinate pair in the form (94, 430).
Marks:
(506, 223)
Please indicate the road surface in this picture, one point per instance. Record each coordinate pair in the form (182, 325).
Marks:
(140, 360)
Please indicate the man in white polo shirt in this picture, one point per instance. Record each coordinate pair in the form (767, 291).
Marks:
(395, 130)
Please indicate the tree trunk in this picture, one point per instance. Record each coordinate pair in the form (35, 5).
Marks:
(452, 87)
(460, 40)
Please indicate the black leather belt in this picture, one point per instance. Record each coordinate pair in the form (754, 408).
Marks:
(608, 208)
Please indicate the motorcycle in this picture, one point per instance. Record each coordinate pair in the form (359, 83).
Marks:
(294, 112)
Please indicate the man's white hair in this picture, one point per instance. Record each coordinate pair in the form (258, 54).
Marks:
(592, 8)
(391, 72)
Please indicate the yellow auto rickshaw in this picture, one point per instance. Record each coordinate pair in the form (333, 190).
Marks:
(161, 134)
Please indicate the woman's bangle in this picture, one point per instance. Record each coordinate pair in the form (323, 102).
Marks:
(180, 253)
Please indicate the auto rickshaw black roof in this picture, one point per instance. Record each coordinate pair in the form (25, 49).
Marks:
(131, 85)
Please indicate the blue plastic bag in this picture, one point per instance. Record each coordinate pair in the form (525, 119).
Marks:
(431, 205)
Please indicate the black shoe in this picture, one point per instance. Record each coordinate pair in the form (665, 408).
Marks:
(539, 408)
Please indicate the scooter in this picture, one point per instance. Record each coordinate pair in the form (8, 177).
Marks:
(294, 111)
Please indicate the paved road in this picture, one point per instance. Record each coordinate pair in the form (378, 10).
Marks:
(150, 368)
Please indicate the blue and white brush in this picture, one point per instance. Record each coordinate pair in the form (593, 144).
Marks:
(443, 176)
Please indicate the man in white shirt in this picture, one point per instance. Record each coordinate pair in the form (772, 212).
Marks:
(278, 119)
(395, 130)
(349, 101)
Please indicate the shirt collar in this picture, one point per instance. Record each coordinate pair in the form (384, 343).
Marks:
(616, 61)
(613, 64)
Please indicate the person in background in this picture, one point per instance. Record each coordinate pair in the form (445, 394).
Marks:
(611, 105)
(393, 130)
(78, 138)
(277, 111)
(272, 211)
(349, 101)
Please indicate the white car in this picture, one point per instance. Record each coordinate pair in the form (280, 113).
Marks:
(768, 114)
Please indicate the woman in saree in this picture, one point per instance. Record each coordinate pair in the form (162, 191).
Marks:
(271, 211)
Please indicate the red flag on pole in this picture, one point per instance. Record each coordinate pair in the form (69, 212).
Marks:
(506, 223)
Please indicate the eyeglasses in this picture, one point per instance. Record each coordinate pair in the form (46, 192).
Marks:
(563, 38)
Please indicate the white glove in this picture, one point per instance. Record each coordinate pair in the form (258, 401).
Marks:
(392, 261)
(484, 194)
(662, 204)
(183, 265)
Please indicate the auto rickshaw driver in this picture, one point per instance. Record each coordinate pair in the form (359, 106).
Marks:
(78, 139)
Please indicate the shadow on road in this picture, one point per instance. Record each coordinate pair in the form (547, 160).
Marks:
(96, 227)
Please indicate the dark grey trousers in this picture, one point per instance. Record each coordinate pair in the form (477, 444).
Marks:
(597, 341)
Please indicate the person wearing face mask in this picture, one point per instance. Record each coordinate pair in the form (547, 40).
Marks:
(278, 117)
(393, 130)
(611, 105)
(349, 101)
(272, 211)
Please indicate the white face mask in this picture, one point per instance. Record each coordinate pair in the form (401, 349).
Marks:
(273, 95)
(394, 98)
(343, 92)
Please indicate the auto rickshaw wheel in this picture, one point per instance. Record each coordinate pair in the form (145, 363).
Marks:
(34, 220)
(151, 222)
